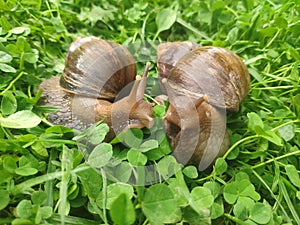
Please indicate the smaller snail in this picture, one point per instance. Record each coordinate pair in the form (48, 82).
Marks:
(201, 86)
(95, 72)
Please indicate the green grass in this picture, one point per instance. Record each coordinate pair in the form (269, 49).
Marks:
(45, 178)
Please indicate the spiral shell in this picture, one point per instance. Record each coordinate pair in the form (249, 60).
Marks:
(213, 71)
(169, 53)
(97, 68)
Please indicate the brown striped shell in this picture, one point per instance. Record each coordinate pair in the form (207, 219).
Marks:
(213, 71)
(169, 53)
(97, 68)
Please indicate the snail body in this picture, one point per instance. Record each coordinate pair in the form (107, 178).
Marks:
(201, 86)
(95, 72)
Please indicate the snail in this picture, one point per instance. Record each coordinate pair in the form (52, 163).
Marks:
(201, 86)
(95, 73)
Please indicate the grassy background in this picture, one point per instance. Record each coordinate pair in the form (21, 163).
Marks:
(43, 176)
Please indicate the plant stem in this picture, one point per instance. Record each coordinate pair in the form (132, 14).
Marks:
(275, 159)
(239, 142)
(284, 124)
(11, 83)
(104, 189)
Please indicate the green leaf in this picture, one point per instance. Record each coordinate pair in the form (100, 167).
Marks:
(40, 149)
(298, 195)
(254, 122)
(296, 103)
(95, 134)
(220, 166)
(5, 57)
(4, 23)
(293, 174)
(159, 111)
(39, 197)
(214, 188)
(21, 221)
(202, 198)
(30, 57)
(191, 217)
(133, 138)
(167, 166)
(46, 212)
(20, 119)
(17, 30)
(148, 145)
(247, 189)
(180, 190)
(232, 35)
(91, 181)
(217, 209)
(287, 132)
(100, 155)
(9, 164)
(122, 211)
(60, 130)
(240, 211)
(26, 171)
(122, 172)
(272, 137)
(242, 207)
(8, 103)
(191, 172)
(136, 158)
(113, 192)
(165, 19)
(239, 188)
(7, 68)
(4, 200)
(24, 209)
(260, 213)
(159, 205)
(256, 125)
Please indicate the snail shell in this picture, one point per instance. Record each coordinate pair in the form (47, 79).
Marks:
(97, 68)
(212, 71)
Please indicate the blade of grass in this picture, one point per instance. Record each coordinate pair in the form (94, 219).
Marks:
(22, 187)
(288, 201)
(96, 208)
(272, 194)
(73, 220)
(50, 183)
(234, 219)
(193, 29)
(104, 189)
(66, 164)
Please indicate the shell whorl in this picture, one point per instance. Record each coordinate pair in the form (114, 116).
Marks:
(213, 71)
(97, 68)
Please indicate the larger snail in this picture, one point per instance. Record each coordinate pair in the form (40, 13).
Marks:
(95, 72)
(201, 85)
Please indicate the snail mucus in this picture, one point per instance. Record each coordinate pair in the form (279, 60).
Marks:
(201, 84)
